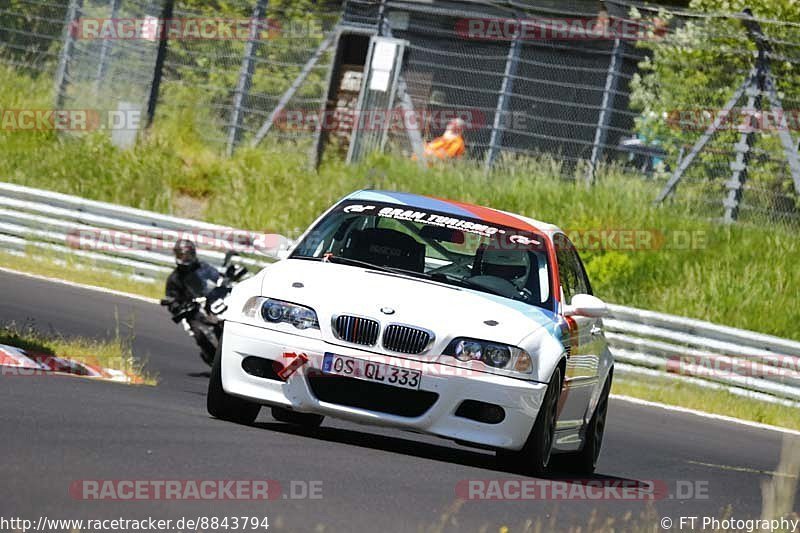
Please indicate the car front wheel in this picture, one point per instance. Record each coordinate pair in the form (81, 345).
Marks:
(222, 405)
(585, 461)
(534, 457)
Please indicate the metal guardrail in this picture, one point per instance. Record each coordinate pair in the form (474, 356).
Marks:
(740, 361)
(140, 243)
(121, 238)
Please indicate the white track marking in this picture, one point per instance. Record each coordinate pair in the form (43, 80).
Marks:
(686, 410)
(81, 285)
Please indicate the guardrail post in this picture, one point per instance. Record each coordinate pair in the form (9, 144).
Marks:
(73, 12)
(245, 75)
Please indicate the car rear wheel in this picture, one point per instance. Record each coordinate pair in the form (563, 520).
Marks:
(299, 419)
(222, 405)
(534, 457)
(585, 461)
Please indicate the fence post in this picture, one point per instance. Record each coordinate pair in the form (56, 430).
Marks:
(406, 103)
(102, 65)
(740, 163)
(73, 11)
(293, 88)
(683, 165)
(245, 75)
(162, 35)
(744, 147)
(606, 108)
(506, 89)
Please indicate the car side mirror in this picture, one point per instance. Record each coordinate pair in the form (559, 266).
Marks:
(586, 305)
(282, 254)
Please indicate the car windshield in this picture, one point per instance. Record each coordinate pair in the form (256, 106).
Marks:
(460, 251)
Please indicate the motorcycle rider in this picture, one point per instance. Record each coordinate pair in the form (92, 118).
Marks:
(191, 279)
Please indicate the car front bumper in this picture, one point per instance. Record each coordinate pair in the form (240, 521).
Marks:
(519, 399)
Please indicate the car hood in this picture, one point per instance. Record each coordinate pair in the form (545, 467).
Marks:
(334, 289)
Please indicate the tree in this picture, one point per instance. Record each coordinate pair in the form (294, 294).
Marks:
(689, 74)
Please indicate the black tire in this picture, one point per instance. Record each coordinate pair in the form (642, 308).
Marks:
(207, 355)
(222, 405)
(534, 457)
(299, 419)
(585, 461)
(207, 340)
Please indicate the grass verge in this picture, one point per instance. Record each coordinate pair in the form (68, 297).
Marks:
(80, 271)
(116, 354)
(718, 402)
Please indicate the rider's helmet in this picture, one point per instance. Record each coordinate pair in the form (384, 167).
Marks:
(185, 253)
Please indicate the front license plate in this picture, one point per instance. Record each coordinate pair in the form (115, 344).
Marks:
(341, 365)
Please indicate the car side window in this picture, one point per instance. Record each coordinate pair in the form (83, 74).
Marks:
(582, 285)
(565, 273)
(570, 269)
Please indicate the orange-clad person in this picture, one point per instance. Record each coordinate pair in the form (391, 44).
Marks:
(448, 146)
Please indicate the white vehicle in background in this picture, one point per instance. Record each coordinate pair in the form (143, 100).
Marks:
(428, 315)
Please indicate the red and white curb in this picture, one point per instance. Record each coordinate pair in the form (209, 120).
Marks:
(16, 361)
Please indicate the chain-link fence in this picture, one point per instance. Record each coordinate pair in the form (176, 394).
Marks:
(584, 86)
(719, 94)
(103, 70)
(235, 84)
(614, 84)
(31, 34)
(520, 96)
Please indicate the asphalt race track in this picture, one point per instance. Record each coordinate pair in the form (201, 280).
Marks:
(55, 430)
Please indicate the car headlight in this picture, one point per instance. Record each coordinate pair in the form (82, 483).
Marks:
(492, 354)
(274, 311)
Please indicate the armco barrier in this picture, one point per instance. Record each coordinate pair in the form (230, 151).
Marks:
(738, 359)
(645, 342)
(128, 239)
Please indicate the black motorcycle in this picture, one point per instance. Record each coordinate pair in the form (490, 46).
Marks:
(201, 316)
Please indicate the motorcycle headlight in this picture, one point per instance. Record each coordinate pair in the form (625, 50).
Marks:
(492, 354)
(275, 311)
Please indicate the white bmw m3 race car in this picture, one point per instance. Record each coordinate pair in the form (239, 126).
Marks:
(433, 316)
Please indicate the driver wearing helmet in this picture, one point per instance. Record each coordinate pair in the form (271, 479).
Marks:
(191, 278)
